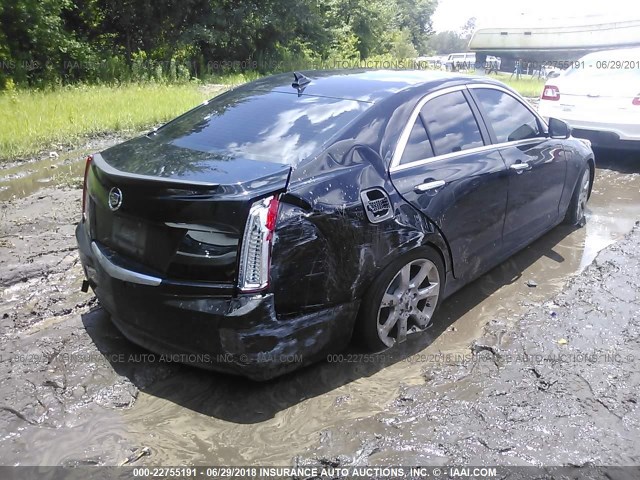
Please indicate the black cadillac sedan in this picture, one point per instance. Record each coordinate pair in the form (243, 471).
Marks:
(264, 229)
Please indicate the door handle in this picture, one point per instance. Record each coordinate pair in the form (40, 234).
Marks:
(425, 187)
(519, 166)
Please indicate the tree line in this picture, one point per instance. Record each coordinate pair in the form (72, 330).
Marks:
(44, 42)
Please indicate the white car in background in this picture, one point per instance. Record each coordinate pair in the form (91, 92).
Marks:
(599, 97)
(467, 61)
(460, 61)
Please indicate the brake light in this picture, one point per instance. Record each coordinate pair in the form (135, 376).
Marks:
(85, 190)
(636, 101)
(272, 215)
(255, 256)
(551, 92)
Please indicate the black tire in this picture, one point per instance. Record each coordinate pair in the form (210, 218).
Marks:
(579, 198)
(372, 312)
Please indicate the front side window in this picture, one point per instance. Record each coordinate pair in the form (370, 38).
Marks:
(510, 119)
(451, 124)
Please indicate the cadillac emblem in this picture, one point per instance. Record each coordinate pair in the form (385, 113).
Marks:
(115, 199)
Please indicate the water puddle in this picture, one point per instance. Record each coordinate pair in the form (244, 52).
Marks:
(67, 169)
(23, 180)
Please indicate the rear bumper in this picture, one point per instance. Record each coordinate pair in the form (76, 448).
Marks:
(618, 131)
(240, 335)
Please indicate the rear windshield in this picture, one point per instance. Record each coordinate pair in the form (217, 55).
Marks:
(261, 125)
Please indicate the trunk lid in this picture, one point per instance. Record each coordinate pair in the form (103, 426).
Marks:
(599, 90)
(181, 213)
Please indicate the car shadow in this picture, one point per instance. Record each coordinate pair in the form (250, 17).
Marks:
(239, 400)
(623, 161)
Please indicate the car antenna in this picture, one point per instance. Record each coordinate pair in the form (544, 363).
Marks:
(300, 82)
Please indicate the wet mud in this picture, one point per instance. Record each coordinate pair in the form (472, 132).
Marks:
(559, 387)
(62, 166)
(485, 384)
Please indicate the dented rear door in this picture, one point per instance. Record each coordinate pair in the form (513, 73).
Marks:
(449, 174)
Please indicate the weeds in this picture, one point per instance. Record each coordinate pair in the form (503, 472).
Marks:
(36, 121)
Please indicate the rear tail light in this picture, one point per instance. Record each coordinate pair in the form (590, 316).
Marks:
(550, 92)
(85, 189)
(636, 101)
(255, 256)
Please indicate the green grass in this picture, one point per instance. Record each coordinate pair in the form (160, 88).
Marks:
(525, 86)
(36, 121)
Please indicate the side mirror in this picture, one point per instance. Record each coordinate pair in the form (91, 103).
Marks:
(559, 128)
(553, 74)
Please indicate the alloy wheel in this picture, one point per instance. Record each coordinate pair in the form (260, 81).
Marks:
(409, 301)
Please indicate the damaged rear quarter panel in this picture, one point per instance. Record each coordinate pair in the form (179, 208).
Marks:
(326, 251)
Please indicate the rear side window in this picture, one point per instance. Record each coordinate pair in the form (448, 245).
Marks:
(510, 119)
(261, 125)
(418, 146)
(451, 124)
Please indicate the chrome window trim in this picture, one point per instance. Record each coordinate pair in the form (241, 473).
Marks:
(437, 158)
(493, 146)
(406, 132)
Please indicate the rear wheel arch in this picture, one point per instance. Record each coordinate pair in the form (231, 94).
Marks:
(365, 328)
(445, 256)
(430, 243)
(441, 244)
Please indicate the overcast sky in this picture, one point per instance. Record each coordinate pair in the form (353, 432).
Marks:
(452, 14)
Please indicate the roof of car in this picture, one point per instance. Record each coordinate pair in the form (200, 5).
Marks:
(361, 85)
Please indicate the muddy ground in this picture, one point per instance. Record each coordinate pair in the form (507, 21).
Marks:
(508, 374)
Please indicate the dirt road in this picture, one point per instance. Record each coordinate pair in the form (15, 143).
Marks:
(487, 384)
